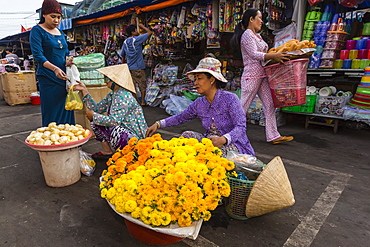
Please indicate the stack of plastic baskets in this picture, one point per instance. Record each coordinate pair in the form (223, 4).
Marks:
(288, 82)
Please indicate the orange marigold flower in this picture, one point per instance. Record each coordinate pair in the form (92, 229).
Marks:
(116, 156)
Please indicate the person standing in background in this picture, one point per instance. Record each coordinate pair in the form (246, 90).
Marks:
(254, 79)
(49, 48)
(11, 55)
(131, 53)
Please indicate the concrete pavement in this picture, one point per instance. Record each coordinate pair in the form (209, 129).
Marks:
(329, 174)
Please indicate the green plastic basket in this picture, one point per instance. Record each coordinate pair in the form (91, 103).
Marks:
(309, 107)
(237, 201)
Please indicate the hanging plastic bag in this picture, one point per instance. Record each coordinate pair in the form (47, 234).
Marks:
(285, 34)
(73, 100)
(87, 164)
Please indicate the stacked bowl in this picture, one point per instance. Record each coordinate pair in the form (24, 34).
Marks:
(362, 96)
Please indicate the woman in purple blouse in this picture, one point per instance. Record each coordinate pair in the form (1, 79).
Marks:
(221, 112)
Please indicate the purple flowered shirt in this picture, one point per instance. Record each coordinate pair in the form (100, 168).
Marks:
(227, 113)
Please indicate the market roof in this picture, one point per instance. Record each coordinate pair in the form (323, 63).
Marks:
(125, 9)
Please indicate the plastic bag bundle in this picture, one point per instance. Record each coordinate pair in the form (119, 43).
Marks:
(73, 100)
(87, 164)
(247, 164)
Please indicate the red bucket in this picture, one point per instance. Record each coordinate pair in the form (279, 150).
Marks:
(35, 100)
(149, 236)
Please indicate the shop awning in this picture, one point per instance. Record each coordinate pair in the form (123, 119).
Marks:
(65, 24)
(16, 38)
(124, 9)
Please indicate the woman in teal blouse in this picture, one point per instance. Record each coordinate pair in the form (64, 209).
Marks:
(118, 117)
(49, 49)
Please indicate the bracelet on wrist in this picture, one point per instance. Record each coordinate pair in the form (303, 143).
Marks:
(158, 124)
(55, 68)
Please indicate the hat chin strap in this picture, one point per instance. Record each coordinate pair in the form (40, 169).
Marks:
(113, 86)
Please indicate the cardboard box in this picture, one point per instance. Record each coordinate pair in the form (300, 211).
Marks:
(97, 93)
(17, 87)
(1, 88)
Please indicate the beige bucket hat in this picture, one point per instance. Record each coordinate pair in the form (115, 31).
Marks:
(210, 65)
(271, 191)
(120, 74)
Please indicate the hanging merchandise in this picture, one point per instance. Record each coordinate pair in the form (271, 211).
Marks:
(213, 37)
(350, 3)
(277, 17)
(221, 16)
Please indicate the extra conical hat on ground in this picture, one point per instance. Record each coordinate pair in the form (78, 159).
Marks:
(120, 74)
(271, 191)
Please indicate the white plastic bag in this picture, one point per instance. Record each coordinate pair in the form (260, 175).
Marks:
(87, 164)
(73, 76)
(285, 34)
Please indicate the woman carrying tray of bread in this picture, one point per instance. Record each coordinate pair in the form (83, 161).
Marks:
(254, 79)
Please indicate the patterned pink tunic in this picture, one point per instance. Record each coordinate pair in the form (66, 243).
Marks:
(254, 81)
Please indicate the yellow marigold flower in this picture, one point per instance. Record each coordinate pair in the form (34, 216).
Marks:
(103, 193)
(192, 141)
(210, 188)
(206, 215)
(155, 218)
(179, 156)
(111, 193)
(155, 153)
(165, 219)
(196, 215)
(184, 220)
(102, 185)
(130, 206)
(179, 178)
(120, 208)
(219, 173)
(145, 219)
(136, 213)
(154, 172)
(146, 211)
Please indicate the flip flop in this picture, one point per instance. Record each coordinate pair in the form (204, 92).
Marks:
(283, 139)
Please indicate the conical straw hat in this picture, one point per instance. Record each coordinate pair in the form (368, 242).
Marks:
(120, 74)
(271, 191)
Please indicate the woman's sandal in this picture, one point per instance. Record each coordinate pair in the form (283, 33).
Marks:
(283, 139)
(100, 155)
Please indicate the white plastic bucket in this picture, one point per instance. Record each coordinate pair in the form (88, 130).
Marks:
(61, 168)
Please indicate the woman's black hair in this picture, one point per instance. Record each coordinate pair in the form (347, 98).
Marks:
(42, 18)
(219, 84)
(241, 26)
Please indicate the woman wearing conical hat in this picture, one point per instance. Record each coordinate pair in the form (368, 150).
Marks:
(124, 117)
(49, 49)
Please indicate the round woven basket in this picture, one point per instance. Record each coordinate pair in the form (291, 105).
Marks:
(271, 191)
